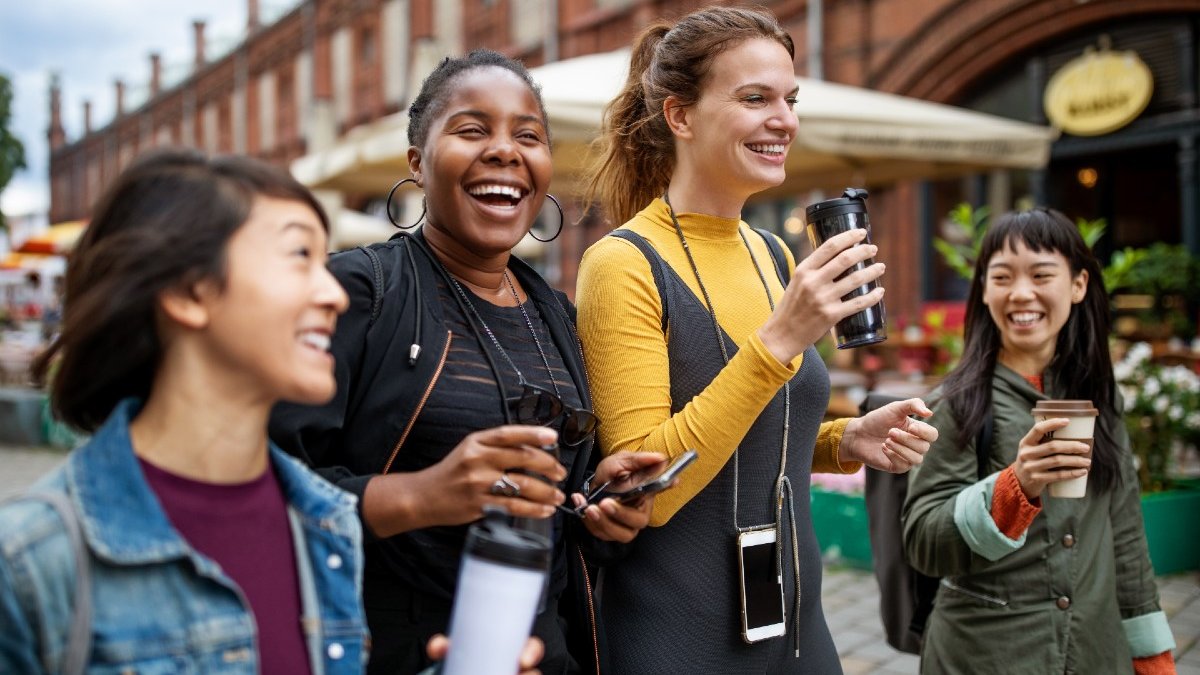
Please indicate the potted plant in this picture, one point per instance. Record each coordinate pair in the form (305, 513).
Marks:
(1166, 277)
(1162, 412)
(839, 516)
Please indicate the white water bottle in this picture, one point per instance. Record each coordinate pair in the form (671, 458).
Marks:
(499, 587)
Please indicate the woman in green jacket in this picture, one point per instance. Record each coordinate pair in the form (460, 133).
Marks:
(1033, 583)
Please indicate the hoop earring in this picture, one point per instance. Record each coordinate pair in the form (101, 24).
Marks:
(561, 220)
(389, 204)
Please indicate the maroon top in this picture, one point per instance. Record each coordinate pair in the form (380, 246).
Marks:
(244, 528)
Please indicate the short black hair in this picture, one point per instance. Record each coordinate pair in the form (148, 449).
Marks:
(431, 100)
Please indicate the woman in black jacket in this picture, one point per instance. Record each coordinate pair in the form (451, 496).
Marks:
(458, 367)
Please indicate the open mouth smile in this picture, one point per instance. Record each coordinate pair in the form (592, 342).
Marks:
(1025, 319)
(773, 150)
(316, 339)
(497, 194)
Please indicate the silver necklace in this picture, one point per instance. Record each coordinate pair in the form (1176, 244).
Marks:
(492, 336)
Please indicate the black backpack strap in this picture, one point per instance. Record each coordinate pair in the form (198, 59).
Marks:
(377, 283)
(777, 255)
(656, 266)
(983, 447)
(79, 636)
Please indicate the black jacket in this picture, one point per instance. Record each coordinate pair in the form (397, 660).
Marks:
(389, 347)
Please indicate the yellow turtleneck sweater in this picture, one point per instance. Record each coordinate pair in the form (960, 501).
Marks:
(620, 324)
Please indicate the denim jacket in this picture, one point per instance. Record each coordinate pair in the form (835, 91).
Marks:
(159, 606)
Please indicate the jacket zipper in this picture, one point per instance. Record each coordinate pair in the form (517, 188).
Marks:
(587, 582)
(587, 579)
(978, 596)
(425, 397)
(582, 361)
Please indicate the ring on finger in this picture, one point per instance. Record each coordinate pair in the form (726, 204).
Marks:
(505, 487)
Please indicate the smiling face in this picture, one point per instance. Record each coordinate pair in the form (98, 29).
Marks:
(1029, 295)
(270, 324)
(736, 137)
(485, 165)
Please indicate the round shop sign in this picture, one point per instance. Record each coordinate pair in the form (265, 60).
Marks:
(1098, 92)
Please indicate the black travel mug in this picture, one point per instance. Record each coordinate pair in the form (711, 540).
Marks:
(500, 583)
(832, 217)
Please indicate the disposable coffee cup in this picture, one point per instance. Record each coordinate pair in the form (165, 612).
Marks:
(1081, 427)
(499, 587)
(832, 217)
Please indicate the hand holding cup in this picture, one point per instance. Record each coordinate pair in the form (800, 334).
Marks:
(1044, 461)
(813, 301)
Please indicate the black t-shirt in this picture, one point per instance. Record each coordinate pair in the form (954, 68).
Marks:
(466, 399)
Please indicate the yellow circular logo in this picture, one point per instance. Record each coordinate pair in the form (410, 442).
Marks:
(1098, 92)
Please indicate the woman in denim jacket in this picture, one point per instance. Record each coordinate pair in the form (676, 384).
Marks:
(197, 298)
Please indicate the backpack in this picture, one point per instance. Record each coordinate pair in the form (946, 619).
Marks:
(905, 595)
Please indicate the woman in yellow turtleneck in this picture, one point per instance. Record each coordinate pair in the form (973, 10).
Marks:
(727, 367)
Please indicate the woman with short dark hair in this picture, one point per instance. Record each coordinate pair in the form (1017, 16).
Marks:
(197, 298)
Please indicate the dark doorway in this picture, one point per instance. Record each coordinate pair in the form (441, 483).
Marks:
(1136, 191)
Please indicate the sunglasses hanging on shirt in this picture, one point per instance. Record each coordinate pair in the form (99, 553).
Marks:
(535, 405)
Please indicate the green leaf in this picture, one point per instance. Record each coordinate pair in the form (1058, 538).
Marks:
(12, 153)
(955, 257)
(1091, 230)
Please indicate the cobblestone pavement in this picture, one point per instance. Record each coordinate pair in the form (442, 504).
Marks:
(851, 597)
(20, 466)
(851, 601)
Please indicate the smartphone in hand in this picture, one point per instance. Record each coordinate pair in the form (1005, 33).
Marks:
(650, 486)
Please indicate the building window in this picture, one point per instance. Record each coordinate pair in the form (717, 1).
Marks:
(528, 22)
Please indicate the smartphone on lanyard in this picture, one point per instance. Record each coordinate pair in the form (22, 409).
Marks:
(761, 585)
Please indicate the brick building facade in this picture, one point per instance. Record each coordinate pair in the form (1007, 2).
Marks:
(296, 85)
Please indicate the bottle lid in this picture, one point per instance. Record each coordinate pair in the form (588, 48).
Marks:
(495, 540)
(1065, 408)
(853, 200)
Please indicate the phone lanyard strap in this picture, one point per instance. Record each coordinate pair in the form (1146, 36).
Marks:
(783, 486)
(783, 490)
(712, 314)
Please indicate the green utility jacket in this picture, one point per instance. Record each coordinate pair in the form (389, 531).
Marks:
(1074, 594)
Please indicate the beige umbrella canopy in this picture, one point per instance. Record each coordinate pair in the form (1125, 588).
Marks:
(847, 136)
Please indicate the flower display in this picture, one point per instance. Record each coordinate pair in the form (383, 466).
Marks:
(1162, 411)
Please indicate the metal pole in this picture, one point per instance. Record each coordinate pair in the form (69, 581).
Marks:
(816, 45)
(550, 48)
(927, 229)
(1189, 194)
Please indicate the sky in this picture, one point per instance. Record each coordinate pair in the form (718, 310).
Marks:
(90, 43)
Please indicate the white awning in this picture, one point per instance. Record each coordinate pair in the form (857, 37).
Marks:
(847, 136)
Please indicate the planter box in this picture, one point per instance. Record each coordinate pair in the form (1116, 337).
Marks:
(840, 521)
(21, 416)
(1172, 520)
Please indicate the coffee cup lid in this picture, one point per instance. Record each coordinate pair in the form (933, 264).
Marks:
(1064, 408)
(852, 199)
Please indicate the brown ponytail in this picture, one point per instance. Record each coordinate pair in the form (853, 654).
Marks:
(636, 147)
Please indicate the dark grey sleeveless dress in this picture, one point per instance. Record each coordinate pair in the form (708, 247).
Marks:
(672, 606)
